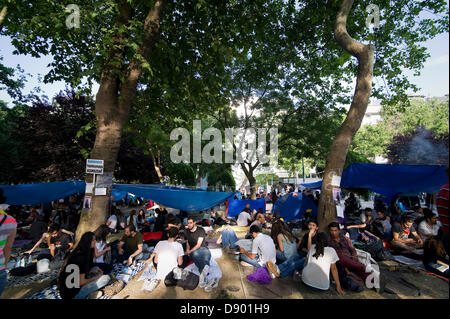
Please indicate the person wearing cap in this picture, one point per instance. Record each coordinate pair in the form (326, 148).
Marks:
(8, 229)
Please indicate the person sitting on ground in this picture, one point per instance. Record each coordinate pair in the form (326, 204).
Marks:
(141, 218)
(353, 226)
(309, 238)
(45, 238)
(430, 226)
(37, 229)
(168, 255)
(101, 248)
(263, 252)
(343, 246)
(171, 222)
(255, 212)
(285, 241)
(319, 261)
(366, 216)
(60, 242)
(220, 218)
(196, 249)
(435, 258)
(130, 246)
(132, 219)
(384, 222)
(228, 240)
(161, 213)
(401, 236)
(244, 218)
(91, 278)
(260, 222)
(112, 221)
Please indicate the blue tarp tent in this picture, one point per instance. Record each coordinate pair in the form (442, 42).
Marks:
(34, 194)
(292, 207)
(235, 206)
(315, 185)
(179, 198)
(387, 179)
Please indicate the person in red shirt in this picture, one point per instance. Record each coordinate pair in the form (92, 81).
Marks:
(442, 208)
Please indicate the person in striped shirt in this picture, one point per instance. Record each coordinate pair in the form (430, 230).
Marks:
(442, 208)
(8, 226)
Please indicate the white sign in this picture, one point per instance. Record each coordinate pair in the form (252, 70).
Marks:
(94, 166)
(336, 181)
(100, 191)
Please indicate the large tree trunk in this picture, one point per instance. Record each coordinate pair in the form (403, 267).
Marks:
(113, 102)
(251, 179)
(338, 152)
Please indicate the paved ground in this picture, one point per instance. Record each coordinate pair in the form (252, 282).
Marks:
(234, 284)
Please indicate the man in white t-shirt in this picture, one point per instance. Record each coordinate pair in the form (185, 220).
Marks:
(263, 253)
(168, 255)
(244, 218)
(430, 226)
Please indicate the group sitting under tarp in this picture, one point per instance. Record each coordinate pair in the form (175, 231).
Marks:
(293, 206)
(235, 206)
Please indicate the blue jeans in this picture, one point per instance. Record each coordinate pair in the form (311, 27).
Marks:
(281, 258)
(201, 257)
(229, 238)
(3, 281)
(93, 285)
(248, 260)
(289, 266)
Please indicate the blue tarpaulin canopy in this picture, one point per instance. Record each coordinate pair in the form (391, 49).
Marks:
(389, 180)
(315, 185)
(174, 197)
(34, 194)
(179, 198)
(235, 206)
(293, 206)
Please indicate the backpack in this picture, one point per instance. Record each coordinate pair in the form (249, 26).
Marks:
(190, 283)
(376, 249)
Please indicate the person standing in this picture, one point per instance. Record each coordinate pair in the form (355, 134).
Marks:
(442, 208)
(8, 228)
